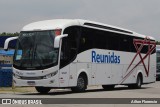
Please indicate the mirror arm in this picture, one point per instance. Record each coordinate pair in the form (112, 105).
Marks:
(7, 42)
(57, 40)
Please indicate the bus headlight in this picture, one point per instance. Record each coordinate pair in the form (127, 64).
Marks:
(50, 75)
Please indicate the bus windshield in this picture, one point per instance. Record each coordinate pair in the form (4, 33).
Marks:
(35, 50)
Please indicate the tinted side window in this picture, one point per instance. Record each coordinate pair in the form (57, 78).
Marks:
(132, 47)
(86, 39)
(113, 40)
(125, 43)
(145, 47)
(94, 38)
(99, 39)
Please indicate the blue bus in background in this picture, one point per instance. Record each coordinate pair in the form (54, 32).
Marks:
(6, 62)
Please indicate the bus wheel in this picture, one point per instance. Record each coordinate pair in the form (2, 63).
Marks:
(108, 87)
(81, 84)
(138, 84)
(43, 90)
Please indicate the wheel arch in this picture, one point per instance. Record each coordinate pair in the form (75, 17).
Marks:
(139, 73)
(84, 73)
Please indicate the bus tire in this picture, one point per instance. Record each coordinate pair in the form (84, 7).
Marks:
(138, 84)
(108, 87)
(43, 90)
(81, 84)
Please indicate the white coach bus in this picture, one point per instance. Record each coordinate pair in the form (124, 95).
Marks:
(65, 53)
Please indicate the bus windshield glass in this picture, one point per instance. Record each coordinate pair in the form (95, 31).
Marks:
(35, 50)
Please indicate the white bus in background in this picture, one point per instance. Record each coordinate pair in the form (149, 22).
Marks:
(65, 53)
(158, 62)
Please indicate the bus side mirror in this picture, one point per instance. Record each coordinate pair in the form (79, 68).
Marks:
(7, 42)
(57, 40)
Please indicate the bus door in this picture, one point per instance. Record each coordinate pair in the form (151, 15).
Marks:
(67, 56)
(64, 76)
(73, 74)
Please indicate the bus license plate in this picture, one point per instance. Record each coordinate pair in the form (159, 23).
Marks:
(32, 83)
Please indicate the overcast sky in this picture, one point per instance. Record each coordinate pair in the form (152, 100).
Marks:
(141, 16)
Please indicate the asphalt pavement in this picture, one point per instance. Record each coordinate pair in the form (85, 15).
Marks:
(147, 91)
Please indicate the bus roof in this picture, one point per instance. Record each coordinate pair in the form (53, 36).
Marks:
(50, 24)
(63, 23)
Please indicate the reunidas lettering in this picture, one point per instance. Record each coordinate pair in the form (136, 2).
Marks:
(110, 58)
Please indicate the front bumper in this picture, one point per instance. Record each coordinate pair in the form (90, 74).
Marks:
(50, 82)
